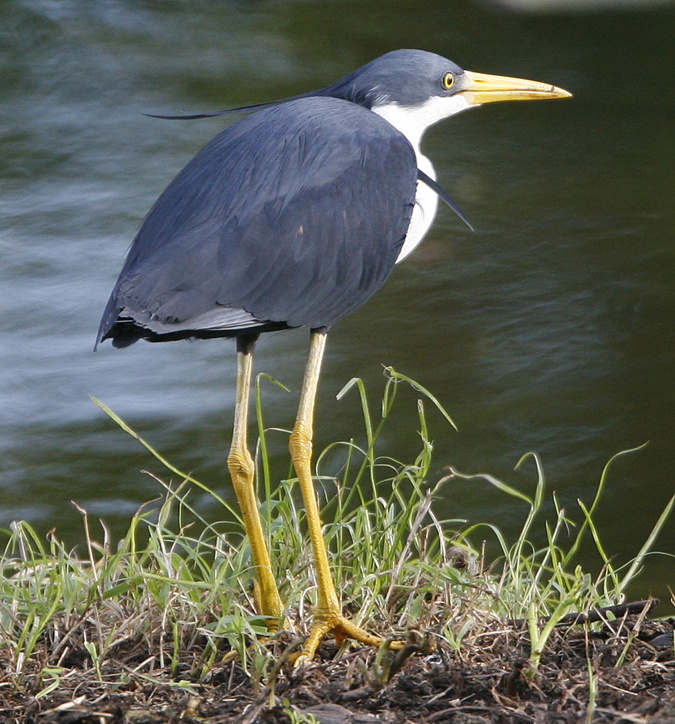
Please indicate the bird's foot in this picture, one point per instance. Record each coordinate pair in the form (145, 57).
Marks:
(342, 628)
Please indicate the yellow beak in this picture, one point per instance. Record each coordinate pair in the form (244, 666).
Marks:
(479, 88)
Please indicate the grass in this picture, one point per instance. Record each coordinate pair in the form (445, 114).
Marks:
(177, 589)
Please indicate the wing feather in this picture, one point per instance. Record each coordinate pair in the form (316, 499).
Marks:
(293, 216)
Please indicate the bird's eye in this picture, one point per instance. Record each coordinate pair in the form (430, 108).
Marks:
(448, 80)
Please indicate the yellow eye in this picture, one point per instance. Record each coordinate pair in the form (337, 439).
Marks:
(448, 80)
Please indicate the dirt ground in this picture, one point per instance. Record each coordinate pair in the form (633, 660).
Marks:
(625, 672)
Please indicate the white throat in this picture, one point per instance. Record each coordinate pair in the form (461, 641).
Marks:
(412, 122)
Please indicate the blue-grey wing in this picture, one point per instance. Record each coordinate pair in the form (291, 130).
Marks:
(293, 216)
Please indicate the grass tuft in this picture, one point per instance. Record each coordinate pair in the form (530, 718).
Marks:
(173, 599)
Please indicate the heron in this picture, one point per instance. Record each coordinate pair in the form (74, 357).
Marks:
(294, 216)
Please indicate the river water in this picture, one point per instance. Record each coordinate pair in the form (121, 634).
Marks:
(551, 328)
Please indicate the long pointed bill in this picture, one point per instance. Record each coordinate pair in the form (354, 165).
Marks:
(478, 88)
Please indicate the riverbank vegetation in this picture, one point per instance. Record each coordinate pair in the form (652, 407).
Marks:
(161, 625)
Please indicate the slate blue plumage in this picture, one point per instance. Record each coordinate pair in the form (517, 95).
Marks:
(297, 214)
(279, 216)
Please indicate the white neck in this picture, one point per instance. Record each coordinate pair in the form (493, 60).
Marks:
(412, 123)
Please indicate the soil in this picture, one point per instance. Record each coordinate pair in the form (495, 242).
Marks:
(623, 672)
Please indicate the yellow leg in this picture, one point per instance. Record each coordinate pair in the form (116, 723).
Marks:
(242, 470)
(328, 616)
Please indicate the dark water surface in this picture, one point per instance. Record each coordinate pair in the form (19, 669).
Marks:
(551, 328)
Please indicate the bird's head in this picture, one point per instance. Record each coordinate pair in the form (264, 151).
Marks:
(413, 89)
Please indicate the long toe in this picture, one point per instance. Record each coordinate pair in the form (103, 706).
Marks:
(342, 628)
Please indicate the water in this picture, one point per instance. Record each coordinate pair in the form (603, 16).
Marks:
(550, 328)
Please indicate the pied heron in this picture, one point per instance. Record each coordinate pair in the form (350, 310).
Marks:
(294, 216)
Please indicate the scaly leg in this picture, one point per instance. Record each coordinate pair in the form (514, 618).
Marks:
(242, 470)
(328, 616)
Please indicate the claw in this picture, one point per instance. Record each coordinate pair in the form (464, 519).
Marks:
(342, 628)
